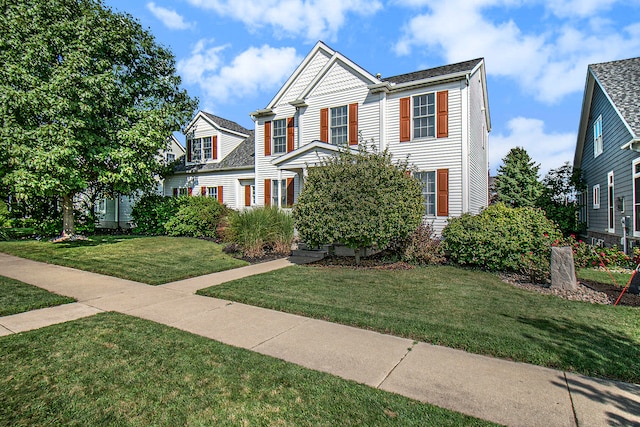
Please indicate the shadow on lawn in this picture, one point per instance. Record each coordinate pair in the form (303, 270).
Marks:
(587, 349)
(94, 241)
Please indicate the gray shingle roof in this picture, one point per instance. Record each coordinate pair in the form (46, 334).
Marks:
(434, 72)
(241, 157)
(227, 124)
(621, 81)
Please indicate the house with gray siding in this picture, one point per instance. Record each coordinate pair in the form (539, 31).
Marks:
(608, 153)
(437, 118)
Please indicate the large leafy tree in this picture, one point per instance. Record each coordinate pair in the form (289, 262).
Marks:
(517, 182)
(360, 200)
(559, 198)
(87, 98)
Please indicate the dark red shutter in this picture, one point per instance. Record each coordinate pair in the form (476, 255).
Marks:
(175, 192)
(290, 188)
(190, 190)
(203, 191)
(353, 124)
(220, 198)
(290, 134)
(267, 138)
(247, 195)
(324, 125)
(214, 147)
(405, 119)
(442, 182)
(188, 150)
(443, 114)
(267, 192)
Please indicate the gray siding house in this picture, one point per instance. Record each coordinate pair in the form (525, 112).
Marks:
(608, 153)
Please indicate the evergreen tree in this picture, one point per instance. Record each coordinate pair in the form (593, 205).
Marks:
(517, 182)
(559, 198)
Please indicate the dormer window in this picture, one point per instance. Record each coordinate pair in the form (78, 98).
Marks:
(202, 149)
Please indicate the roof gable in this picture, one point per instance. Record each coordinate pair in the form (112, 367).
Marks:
(460, 67)
(217, 122)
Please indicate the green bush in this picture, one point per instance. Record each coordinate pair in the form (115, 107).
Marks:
(422, 248)
(151, 212)
(260, 228)
(502, 239)
(5, 221)
(196, 217)
(361, 200)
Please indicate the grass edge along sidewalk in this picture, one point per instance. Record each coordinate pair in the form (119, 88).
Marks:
(458, 308)
(18, 297)
(151, 260)
(98, 371)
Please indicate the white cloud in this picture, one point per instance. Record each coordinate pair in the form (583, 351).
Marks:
(551, 150)
(257, 69)
(170, 18)
(582, 8)
(312, 19)
(547, 65)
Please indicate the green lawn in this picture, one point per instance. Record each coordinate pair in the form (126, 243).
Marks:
(112, 369)
(18, 297)
(612, 278)
(458, 308)
(152, 260)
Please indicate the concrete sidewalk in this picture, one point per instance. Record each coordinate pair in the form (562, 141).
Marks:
(510, 393)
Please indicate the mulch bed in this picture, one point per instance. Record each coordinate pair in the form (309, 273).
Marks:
(369, 263)
(613, 292)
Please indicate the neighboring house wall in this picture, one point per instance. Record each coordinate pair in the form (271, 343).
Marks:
(478, 155)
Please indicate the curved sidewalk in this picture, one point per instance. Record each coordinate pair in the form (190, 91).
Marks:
(509, 393)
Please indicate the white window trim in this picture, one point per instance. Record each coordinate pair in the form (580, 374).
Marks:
(598, 145)
(212, 192)
(611, 203)
(346, 125)
(595, 193)
(435, 116)
(435, 194)
(274, 136)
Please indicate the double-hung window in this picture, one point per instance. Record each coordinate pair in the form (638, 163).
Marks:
(610, 203)
(596, 196)
(424, 116)
(339, 125)
(196, 150)
(597, 137)
(428, 180)
(206, 147)
(279, 190)
(212, 192)
(280, 136)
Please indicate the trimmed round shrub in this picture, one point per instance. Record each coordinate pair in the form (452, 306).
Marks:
(502, 239)
(196, 217)
(151, 212)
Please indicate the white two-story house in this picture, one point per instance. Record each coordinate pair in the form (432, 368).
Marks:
(438, 117)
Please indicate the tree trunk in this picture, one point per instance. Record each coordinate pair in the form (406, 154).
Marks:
(68, 228)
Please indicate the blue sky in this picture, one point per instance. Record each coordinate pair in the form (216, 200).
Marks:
(234, 55)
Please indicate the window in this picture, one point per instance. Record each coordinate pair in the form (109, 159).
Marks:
(279, 190)
(596, 196)
(597, 137)
(196, 153)
(583, 197)
(212, 192)
(206, 147)
(428, 180)
(280, 136)
(610, 203)
(424, 116)
(102, 206)
(636, 197)
(339, 125)
(171, 157)
(180, 191)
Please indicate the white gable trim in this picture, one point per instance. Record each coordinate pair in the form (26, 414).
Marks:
(315, 146)
(215, 125)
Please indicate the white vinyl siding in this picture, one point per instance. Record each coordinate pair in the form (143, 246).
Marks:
(233, 191)
(477, 158)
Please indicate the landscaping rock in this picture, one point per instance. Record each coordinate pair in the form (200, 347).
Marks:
(563, 272)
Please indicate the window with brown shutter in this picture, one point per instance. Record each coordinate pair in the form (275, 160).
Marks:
(220, 198)
(290, 190)
(443, 114)
(290, 134)
(267, 138)
(175, 192)
(214, 151)
(247, 195)
(405, 119)
(267, 192)
(324, 125)
(203, 191)
(190, 191)
(188, 150)
(353, 124)
(443, 192)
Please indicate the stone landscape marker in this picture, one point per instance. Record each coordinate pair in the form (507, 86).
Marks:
(563, 272)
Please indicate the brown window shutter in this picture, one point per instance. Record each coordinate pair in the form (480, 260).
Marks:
(408, 173)
(324, 125)
(443, 114)
(405, 119)
(290, 188)
(353, 124)
(290, 134)
(188, 150)
(220, 198)
(175, 192)
(267, 192)
(442, 182)
(267, 138)
(190, 191)
(203, 191)
(247, 195)
(214, 147)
